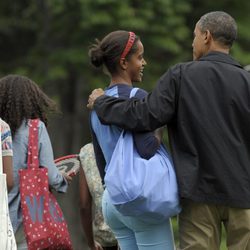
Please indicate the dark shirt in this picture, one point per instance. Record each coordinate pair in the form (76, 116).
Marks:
(206, 106)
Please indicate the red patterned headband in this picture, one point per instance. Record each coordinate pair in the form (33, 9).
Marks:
(130, 42)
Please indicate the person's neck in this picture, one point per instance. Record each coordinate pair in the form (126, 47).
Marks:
(216, 48)
(225, 51)
(120, 79)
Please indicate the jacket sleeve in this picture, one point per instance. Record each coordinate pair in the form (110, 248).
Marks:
(146, 143)
(46, 159)
(155, 110)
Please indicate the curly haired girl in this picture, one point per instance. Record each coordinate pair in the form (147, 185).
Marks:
(21, 100)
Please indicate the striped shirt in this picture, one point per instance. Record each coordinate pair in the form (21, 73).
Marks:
(6, 139)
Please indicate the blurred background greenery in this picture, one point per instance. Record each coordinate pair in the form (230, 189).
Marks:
(48, 40)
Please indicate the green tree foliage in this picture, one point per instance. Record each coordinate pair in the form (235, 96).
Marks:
(153, 21)
(48, 41)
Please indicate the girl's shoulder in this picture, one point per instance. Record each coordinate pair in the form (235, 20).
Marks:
(42, 130)
(23, 130)
(123, 91)
(41, 124)
(4, 126)
(140, 93)
(25, 124)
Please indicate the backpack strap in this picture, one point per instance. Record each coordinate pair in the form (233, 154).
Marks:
(133, 92)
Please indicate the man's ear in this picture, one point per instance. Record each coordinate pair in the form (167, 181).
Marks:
(123, 63)
(207, 37)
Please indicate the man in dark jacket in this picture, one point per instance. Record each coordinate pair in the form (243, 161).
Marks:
(206, 106)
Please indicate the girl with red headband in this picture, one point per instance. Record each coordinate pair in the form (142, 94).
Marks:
(120, 55)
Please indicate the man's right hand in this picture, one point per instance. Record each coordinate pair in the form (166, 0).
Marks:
(93, 96)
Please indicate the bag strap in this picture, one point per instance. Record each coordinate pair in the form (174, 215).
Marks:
(133, 92)
(1, 156)
(33, 161)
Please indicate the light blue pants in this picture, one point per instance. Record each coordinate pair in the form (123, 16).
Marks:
(134, 234)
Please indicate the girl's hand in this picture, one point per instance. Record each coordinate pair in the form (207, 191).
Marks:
(67, 177)
(97, 246)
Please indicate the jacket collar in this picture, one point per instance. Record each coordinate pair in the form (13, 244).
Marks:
(220, 57)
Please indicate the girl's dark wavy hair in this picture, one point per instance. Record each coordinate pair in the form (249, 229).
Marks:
(108, 51)
(22, 99)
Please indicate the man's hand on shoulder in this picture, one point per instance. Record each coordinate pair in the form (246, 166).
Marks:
(93, 96)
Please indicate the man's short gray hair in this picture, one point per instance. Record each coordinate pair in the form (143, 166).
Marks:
(221, 25)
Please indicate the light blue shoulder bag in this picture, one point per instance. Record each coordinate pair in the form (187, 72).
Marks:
(140, 187)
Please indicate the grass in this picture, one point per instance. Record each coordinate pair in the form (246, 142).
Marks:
(175, 229)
